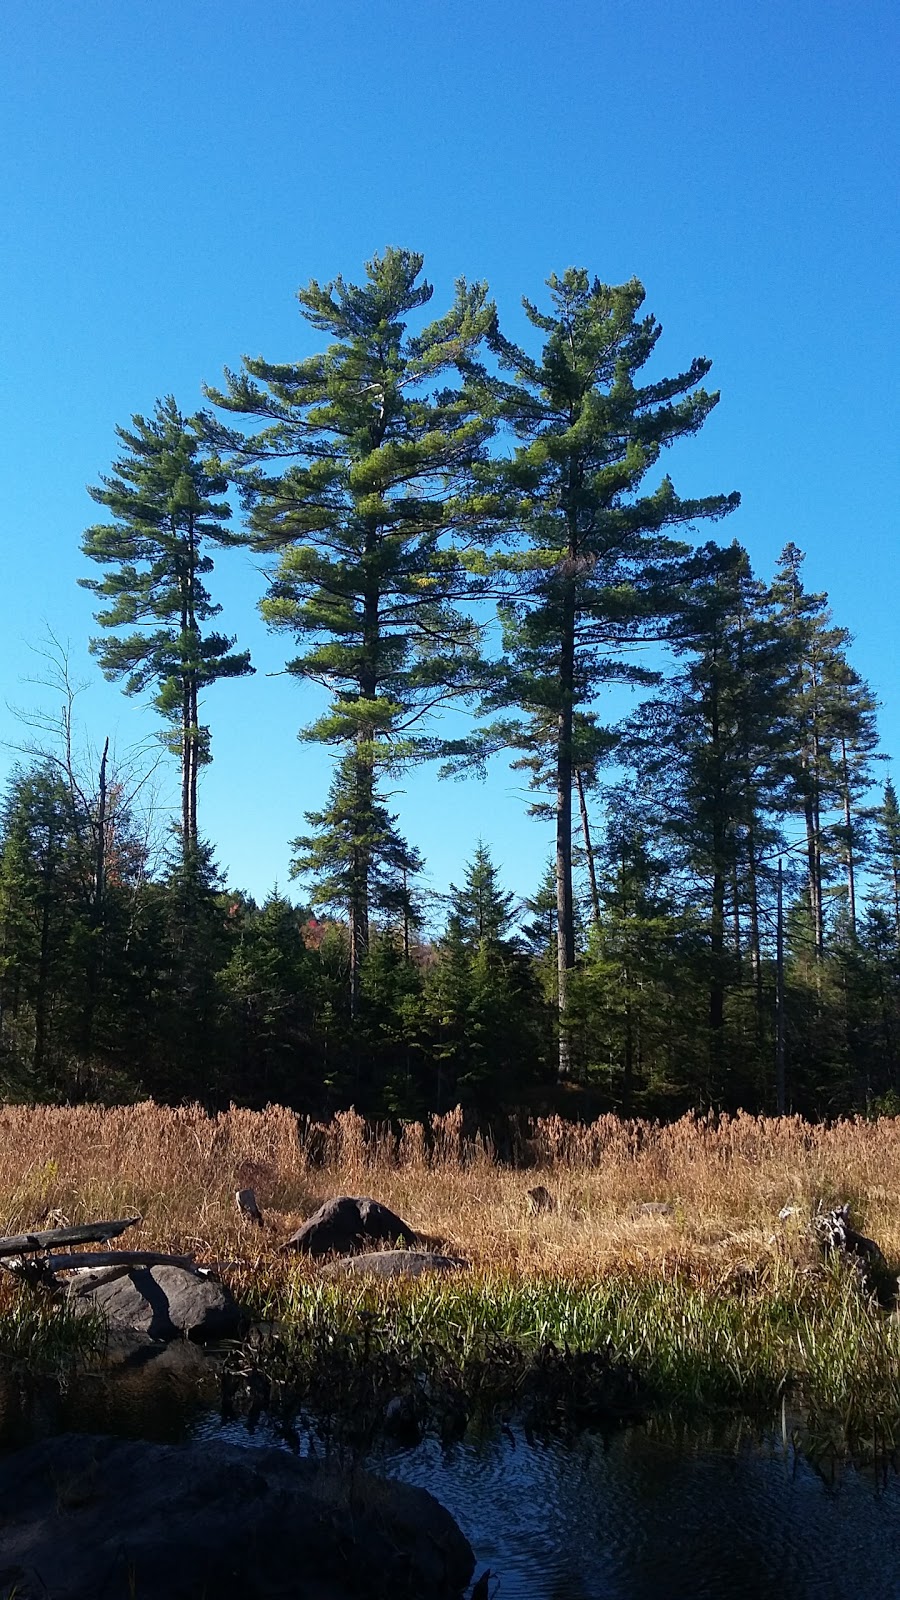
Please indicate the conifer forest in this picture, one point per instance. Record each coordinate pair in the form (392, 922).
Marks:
(448, 519)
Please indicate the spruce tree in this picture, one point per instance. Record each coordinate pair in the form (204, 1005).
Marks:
(356, 862)
(595, 541)
(482, 999)
(482, 911)
(164, 496)
(885, 865)
(359, 478)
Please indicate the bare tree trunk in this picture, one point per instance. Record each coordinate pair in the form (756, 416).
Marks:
(814, 867)
(100, 842)
(42, 986)
(586, 831)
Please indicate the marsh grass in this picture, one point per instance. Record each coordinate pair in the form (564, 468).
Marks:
(713, 1303)
(609, 1348)
(41, 1336)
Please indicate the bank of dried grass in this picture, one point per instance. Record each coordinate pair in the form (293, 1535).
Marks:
(725, 1178)
(714, 1298)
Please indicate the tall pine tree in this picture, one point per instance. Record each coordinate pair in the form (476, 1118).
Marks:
(359, 477)
(164, 496)
(594, 540)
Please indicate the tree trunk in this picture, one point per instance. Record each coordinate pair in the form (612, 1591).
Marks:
(815, 878)
(586, 831)
(717, 917)
(565, 916)
(848, 848)
(753, 896)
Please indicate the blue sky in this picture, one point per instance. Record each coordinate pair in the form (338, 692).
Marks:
(171, 172)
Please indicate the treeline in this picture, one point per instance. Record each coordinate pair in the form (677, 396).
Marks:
(403, 486)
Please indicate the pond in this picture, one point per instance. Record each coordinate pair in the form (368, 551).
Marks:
(655, 1510)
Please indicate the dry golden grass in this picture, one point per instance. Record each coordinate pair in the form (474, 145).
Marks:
(727, 1179)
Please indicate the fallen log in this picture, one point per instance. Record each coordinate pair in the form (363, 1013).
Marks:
(117, 1258)
(20, 1244)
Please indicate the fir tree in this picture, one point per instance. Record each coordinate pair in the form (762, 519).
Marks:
(482, 911)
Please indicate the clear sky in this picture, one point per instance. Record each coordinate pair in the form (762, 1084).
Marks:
(172, 170)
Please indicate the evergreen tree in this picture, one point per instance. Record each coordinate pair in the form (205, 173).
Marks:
(482, 999)
(366, 516)
(637, 999)
(482, 911)
(711, 755)
(356, 861)
(164, 498)
(595, 544)
(885, 865)
(71, 968)
(832, 714)
(268, 987)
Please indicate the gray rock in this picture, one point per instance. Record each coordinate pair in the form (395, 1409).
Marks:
(161, 1302)
(391, 1264)
(345, 1224)
(94, 1518)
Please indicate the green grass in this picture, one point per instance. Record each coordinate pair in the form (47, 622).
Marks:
(628, 1343)
(40, 1335)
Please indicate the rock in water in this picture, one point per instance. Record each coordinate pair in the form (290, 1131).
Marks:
(163, 1302)
(391, 1264)
(345, 1224)
(85, 1517)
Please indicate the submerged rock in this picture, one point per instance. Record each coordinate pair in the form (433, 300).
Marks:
(92, 1518)
(392, 1264)
(161, 1302)
(345, 1224)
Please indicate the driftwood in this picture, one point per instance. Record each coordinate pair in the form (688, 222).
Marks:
(20, 1244)
(836, 1236)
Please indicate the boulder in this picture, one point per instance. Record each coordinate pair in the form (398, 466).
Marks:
(391, 1264)
(345, 1224)
(94, 1518)
(162, 1302)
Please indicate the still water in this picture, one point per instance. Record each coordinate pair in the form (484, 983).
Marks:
(659, 1513)
(654, 1512)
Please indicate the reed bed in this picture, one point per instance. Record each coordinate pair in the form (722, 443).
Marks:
(712, 1300)
(726, 1180)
